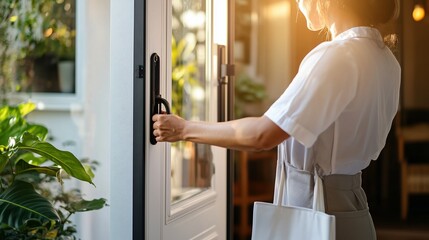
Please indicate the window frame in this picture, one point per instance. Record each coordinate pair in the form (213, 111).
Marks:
(65, 101)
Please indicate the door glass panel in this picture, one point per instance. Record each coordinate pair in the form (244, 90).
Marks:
(191, 164)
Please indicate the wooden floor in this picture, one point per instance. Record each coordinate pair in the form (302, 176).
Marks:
(416, 227)
(402, 234)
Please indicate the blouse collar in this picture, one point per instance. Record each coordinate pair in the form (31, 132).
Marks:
(360, 32)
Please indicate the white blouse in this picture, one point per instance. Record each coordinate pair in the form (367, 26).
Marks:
(340, 106)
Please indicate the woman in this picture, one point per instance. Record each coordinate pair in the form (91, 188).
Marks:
(334, 116)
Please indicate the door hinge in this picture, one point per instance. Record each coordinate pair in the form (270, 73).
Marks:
(140, 71)
(227, 70)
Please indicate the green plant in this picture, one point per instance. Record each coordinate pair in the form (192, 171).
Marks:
(40, 27)
(58, 25)
(247, 91)
(30, 30)
(33, 203)
(184, 73)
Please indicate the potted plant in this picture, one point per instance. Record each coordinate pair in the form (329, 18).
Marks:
(33, 204)
(247, 92)
(61, 45)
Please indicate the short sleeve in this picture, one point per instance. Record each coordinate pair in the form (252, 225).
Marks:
(325, 84)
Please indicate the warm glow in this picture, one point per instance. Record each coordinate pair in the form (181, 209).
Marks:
(13, 18)
(62, 32)
(278, 10)
(418, 12)
(220, 22)
(48, 32)
(41, 106)
(67, 7)
(198, 93)
(193, 19)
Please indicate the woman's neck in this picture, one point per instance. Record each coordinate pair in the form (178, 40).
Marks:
(336, 29)
(341, 21)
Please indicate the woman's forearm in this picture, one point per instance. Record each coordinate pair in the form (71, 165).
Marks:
(240, 134)
(250, 134)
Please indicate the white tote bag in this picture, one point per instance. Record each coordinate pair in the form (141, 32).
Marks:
(277, 222)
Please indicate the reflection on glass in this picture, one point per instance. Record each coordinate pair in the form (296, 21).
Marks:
(191, 164)
(38, 46)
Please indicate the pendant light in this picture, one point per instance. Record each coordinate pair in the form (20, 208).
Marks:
(419, 10)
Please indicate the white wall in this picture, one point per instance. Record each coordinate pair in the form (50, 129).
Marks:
(96, 104)
(273, 62)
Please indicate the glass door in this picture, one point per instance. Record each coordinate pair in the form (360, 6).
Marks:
(191, 164)
(185, 182)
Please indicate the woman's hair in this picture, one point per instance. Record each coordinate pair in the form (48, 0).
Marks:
(376, 13)
(373, 12)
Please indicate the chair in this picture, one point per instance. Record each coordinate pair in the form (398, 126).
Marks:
(414, 172)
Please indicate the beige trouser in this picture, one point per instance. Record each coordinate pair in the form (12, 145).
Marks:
(344, 198)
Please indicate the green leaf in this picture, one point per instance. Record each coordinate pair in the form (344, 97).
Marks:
(11, 128)
(30, 158)
(7, 112)
(21, 202)
(84, 205)
(38, 130)
(22, 167)
(13, 123)
(26, 108)
(88, 170)
(4, 160)
(64, 159)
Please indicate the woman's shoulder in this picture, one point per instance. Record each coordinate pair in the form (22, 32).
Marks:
(334, 52)
(333, 48)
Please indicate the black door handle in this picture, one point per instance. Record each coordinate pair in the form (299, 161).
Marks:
(156, 100)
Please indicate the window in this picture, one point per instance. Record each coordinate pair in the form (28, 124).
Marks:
(38, 47)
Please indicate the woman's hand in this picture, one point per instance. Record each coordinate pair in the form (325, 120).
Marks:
(168, 127)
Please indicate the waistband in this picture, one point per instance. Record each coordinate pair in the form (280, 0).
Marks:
(342, 181)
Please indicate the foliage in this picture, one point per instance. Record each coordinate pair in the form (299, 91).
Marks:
(247, 91)
(33, 203)
(58, 30)
(30, 30)
(184, 73)
(37, 28)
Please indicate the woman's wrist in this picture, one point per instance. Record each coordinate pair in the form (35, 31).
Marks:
(185, 127)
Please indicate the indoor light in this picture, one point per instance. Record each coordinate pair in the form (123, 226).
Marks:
(418, 12)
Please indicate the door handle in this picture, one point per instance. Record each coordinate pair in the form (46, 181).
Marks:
(156, 100)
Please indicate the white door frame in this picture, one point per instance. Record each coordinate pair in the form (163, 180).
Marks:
(121, 118)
